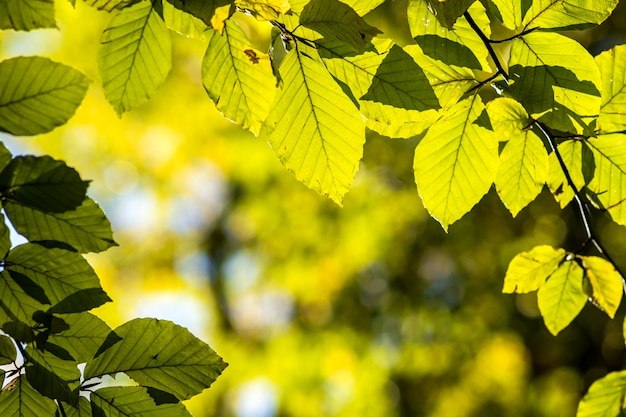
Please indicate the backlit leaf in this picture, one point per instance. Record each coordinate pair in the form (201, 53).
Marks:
(571, 14)
(511, 13)
(37, 95)
(579, 162)
(182, 22)
(456, 162)
(612, 64)
(447, 12)
(110, 5)
(26, 14)
(265, 9)
(19, 398)
(605, 397)
(133, 402)
(529, 270)
(85, 335)
(135, 56)
(8, 353)
(204, 10)
(606, 283)
(53, 377)
(562, 297)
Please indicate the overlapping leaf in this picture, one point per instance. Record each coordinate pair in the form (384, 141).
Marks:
(85, 335)
(182, 22)
(133, 402)
(56, 378)
(605, 397)
(5, 238)
(606, 283)
(314, 128)
(579, 162)
(20, 298)
(26, 14)
(556, 80)
(456, 162)
(19, 398)
(529, 270)
(135, 56)
(509, 12)
(566, 14)
(238, 77)
(37, 95)
(612, 64)
(110, 5)
(562, 297)
(265, 9)
(162, 355)
(8, 353)
(204, 10)
(447, 12)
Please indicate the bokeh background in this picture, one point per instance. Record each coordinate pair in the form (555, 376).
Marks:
(367, 310)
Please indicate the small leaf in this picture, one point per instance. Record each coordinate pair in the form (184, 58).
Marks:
(133, 402)
(605, 397)
(528, 271)
(336, 20)
(447, 12)
(264, 9)
(110, 5)
(162, 355)
(86, 334)
(8, 353)
(53, 377)
(85, 229)
(182, 22)
(456, 162)
(5, 238)
(567, 14)
(37, 95)
(562, 297)
(135, 56)
(612, 64)
(510, 13)
(606, 283)
(576, 156)
(19, 398)
(202, 9)
(26, 14)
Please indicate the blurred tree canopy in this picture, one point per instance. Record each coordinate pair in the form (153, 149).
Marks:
(366, 310)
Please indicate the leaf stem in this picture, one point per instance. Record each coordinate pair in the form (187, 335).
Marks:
(487, 43)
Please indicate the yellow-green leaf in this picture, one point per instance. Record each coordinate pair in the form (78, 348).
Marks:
(182, 22)
(579, 162)
(27, 14)
(264, 9)
(605, 397)
(606, 283)
(612, 64)
(529, 270)
(562, 14)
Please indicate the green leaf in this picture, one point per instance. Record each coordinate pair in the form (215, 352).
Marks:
(456, 162)
(20, 298)
(110, 5)
(612, 65)
(58, 272)
(37, 95)
(556, 80)
(460, 47)
(447, 12)
(265, 9)
(567, 14)
(51, 376)
(19, 398)
(562, 297)
(42, 183)
(204, 10)
(26, 14)
(606, 283)
(529, 270)
(580, 164)
(609, 180)
(182, 22)
(133, 402)
(314, 128)
(162, 355)
(5, 238)
(238, 77)
(82, 409)
(524, 159)
(85, 229)
(86, 334)
(605, 397)
(135, 56)
(510, 12)
(336, 20)
(8, 353)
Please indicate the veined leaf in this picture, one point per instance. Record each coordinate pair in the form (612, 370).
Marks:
(20, 298)
(135, 56)
(456, 162)
(362, 7)
(567, 14)
(544, 62)
(606, 283)
(605, 397)
(82, 409)
(133, 402)
(204, 10)
(447, 12)
(336, 20)
(110, 5)
(510, 12)
(609, 180)
(579, 161)
(612, 64)
(8, 353)
(562, 297)
(26, 14)
(529, 270)
(182, 22)
(86, 334)
(460, 47)
(314, 128)
(238, 77)
(19, 398)
(162, 355)
(53, 377)
(37, 95)
(85, 229)
(43, 183)
(265, 9)
(524, 159)
(5, 238)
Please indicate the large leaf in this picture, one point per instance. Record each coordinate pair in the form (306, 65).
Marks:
(562, 297)
(110, 5)
(556, 80)
(336, 20)
(529, 270)
(54, 377)
(570, 14)
(37, 95)
(612, 64)
(605, 397)
(133, 402)
(579, 162)
(314, 128)
(162, 355)
(238, 77)
(86, 334)
(42, 183)
(26, 14)
(85, 229)
(19, 398)
(606, 283)
(182, 22)
(609, 180)
(524, 159)
(456, 162)
(461, 47)
(135, 56)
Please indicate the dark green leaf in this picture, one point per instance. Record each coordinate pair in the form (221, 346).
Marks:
(85, 335)
(26, 14)
(85, 229)
(132, 401)
(20, 399)
(19, 331)
(160, 354)
(51, 376)
(82, 409)
(42, 183)
(37, 95)
(5, 238)
(17, 304)
(447, 12)
(8, 353)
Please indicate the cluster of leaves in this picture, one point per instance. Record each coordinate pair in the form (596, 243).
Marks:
(54, 353)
